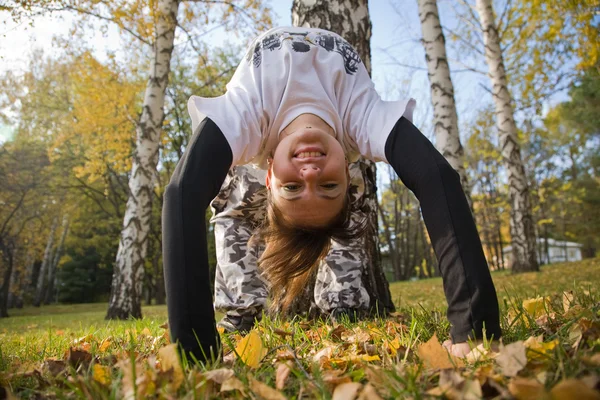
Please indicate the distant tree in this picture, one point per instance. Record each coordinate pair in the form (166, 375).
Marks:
(22, 167)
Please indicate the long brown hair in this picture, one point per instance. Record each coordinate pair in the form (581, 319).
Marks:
(292, 252)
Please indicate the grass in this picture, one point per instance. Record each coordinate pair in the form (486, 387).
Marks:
(70, 351)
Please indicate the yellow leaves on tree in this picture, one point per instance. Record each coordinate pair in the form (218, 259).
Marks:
(102, 124)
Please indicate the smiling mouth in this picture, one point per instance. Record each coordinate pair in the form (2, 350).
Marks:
(309, 154)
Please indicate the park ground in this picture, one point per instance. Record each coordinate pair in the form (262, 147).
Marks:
(550, 350)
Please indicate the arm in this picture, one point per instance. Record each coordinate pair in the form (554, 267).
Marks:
(470, 292)
(195, 182)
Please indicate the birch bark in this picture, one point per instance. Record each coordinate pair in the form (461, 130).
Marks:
(126, 291)
(445, 117)
(350, 19)
(54, 264)
(522, 228)
(41, 282)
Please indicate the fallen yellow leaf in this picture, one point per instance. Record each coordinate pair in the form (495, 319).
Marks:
(527, 389)
(169, 359)
(573, 389)
(346, 391)
(104, 345)
(537, 306)
(434, 356)
(264, 391)
(146, 332)
(101, 374)
(537, 349)
(251, 349)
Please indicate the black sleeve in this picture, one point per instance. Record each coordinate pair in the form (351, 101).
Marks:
(195, 182)
(470, 292)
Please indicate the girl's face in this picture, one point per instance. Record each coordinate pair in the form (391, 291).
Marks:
(308, 177)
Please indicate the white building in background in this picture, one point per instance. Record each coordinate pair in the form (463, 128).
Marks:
(558, 251)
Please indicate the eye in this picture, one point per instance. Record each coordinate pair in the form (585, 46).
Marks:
(291, 188)
(329, 186)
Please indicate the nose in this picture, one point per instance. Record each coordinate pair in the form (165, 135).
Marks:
(310, 172)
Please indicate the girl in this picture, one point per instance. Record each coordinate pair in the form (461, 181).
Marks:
(301, 105)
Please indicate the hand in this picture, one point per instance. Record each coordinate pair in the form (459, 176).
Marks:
(457, 349)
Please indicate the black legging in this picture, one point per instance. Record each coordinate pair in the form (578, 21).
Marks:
(472, 301)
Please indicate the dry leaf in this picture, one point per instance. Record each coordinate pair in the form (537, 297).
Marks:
(219, 375)
(593, 360)
(282, 333)
(537, 349)
(527, 389)
(476, 354)
(104, 345)
(435, 356)
(334, 378)
(129, 385)
(101, 374)
(512, 358)
(54, 367)
(537, 306)
(369, 393)
(573, 389)
(323, 355)
(233, 383)
(250, 349)
(77, 357)
(169, 360)
(281, 375)
(567, 300)
(83, 339)
(285, 354)
(146, 332)
(336, 333)
(264, 391)
(346, 391)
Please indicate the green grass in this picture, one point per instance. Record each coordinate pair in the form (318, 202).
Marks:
(33, 336)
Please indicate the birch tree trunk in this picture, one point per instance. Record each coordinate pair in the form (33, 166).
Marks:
(126, 291)
(54, 264)
(445, 117)
(41, 282)
(350, 19)
(522, 229)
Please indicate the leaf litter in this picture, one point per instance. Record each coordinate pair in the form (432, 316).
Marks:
(372, 359)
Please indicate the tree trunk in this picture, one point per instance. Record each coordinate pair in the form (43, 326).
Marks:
(7, 252)
(445, 117)
(40, 291)
(126, 291)
(54, 265)
(521, 222)
(350, 19)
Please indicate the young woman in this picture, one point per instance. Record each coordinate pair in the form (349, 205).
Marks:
(301, 105)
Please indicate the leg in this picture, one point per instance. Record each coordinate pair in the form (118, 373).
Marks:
(240, 292)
